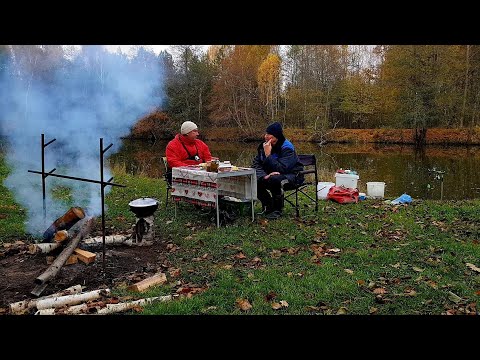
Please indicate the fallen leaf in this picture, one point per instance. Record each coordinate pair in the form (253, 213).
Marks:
(270, 296)
(396, 266)
(284, 303)
(454, 297)
(243, 304)
(342, 311)
(410, 292)
(240, 255)
(276, 306)
(168, 222)
(361, 282)
(473, 267)
(227, 267)
(275, 254)
(210, 308)
(417, 269)
(380, 291)
(348, 271)
(372, 310)
(478, 292)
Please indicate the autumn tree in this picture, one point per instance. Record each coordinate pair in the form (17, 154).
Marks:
(269, 85)
(236, 94)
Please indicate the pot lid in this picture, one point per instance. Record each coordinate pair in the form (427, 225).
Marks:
(143, 202)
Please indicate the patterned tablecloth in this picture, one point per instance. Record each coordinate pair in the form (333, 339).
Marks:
(199, 186)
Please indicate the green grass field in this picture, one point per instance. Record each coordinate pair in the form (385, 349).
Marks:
(365, 258)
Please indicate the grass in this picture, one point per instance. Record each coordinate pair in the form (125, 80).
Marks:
(365, 258)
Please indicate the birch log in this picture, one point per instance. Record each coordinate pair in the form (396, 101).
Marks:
(42, 248)
(108, 309)
(72, 310)
(21, 306)
(52, 271)
(71, 299)
(113, 308)
(112, 239)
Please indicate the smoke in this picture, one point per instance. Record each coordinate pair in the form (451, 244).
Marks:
(95, 95)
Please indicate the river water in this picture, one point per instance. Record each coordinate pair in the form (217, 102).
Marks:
(403, 169)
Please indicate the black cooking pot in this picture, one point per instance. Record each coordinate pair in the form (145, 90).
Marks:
(143, 207)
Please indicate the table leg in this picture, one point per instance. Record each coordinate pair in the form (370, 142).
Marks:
(218, 208)
(252, 179)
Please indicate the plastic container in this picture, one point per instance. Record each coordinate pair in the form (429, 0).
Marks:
(376, 189)
(346, 180)
(362, 196)
(322, 189)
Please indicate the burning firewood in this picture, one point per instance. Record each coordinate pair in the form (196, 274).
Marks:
(21, 306)
(65, 222)
(60, 236)
(52, 271)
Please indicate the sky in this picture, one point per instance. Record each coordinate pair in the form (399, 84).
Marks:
(126, 48)
(155, 48)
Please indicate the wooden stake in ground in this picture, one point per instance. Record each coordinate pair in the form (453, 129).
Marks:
(143, 285)
(53, 270)
(21, 306)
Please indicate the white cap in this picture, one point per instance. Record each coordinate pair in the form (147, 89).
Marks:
(188, 126)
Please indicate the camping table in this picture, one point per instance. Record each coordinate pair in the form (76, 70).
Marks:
(198, 186)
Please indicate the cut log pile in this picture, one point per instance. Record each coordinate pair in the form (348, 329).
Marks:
(74, 248)
(43, 279)
(72, 301)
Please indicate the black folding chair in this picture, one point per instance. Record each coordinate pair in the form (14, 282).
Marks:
(167, 176)
(310, 167)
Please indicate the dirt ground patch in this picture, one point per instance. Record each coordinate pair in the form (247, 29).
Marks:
(123, 264)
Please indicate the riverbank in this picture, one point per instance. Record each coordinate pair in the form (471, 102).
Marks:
(435, 136)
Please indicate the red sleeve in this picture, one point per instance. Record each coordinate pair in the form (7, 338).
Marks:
(172, 153)
(204, 151)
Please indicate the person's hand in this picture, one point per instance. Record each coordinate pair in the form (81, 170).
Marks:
(267, 147)
(271, 174)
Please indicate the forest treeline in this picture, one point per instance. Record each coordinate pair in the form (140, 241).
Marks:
(311, 87)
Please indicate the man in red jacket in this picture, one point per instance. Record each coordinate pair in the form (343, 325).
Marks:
(186, 149)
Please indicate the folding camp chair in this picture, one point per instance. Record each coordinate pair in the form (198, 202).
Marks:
(310, 167)
(167, 176)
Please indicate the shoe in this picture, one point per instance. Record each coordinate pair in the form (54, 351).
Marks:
(274, 215)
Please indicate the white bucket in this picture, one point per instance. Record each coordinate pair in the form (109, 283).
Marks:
(347, 180)
(376, 189)
(323, 188)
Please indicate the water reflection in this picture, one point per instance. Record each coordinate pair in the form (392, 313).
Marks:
(401, 167)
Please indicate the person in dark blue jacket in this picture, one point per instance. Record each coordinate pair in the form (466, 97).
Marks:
(276, 163)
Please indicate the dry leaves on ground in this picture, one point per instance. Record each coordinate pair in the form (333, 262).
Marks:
(473, 267)
(243, 304)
